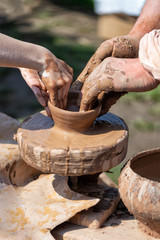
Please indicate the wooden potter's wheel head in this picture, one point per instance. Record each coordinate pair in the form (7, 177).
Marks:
(73, 143)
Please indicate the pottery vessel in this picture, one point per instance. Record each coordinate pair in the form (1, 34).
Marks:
(73, 143)
(139, 187)
(73, 120)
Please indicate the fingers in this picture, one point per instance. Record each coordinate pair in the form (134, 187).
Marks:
(90, 94)
(48, 111)
(77, 85)
(32, 78)
(120, 47)
(67, 67)
(62, 96)
(39, 96)
(110, 99)
(34, 82)
(58, 83)
(53, 95)
(104, 51)
(124, 48)
(54, 81)
(100, 80)
(58, 93)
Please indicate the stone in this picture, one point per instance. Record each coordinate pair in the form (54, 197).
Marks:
(13, 170)
(8, 127)
(114, 229)
(98, 214)
(30, 212)
(107, 191)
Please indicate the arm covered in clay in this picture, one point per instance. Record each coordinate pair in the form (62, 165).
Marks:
(123, 46)
(45, 74)
(129, 75)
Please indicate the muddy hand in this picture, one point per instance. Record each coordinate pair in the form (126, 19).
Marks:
(120, 47)
(51, 83)
(57, 78)
(42, 70)
(34, 82)
(118, 75)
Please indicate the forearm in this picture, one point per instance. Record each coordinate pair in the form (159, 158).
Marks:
(16, 53)
(148, 20)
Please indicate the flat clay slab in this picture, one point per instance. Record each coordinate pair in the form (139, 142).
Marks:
(30, 212)
(114, 229)
(13, 170)
(46, 148)
(120, 226)
(95, 216)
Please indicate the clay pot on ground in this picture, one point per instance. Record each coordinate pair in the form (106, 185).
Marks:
(139, 187)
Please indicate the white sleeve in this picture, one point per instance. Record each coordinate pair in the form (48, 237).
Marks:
(149, 53)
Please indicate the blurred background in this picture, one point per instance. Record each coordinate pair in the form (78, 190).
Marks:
(72, 30)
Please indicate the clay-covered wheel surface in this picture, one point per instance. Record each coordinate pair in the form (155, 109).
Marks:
(53, 150)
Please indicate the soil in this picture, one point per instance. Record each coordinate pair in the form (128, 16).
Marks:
(18, 100)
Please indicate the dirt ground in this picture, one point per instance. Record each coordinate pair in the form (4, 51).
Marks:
(79, 27)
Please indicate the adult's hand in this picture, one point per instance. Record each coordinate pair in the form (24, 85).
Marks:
(120, 47)
(124, 46)
(117, 75)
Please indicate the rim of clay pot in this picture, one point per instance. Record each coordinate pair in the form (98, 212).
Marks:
(77, 121)
(145, 164)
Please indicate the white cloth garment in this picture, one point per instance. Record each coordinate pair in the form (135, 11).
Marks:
(149, 53)
(129, 7)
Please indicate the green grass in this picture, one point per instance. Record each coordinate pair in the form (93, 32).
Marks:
(115, 172)
(146, 126)
(81, 4)
(153, 95)
(155, 110)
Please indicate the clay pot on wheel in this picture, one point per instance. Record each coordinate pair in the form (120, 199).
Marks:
(72, 120)
(139, 187)
(73, 143)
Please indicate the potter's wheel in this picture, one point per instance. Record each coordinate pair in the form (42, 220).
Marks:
(99, 149)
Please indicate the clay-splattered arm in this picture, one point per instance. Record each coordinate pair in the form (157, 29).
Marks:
(124, 46)
(42, 70)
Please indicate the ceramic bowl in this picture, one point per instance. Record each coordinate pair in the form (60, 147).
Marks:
(139, 187)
